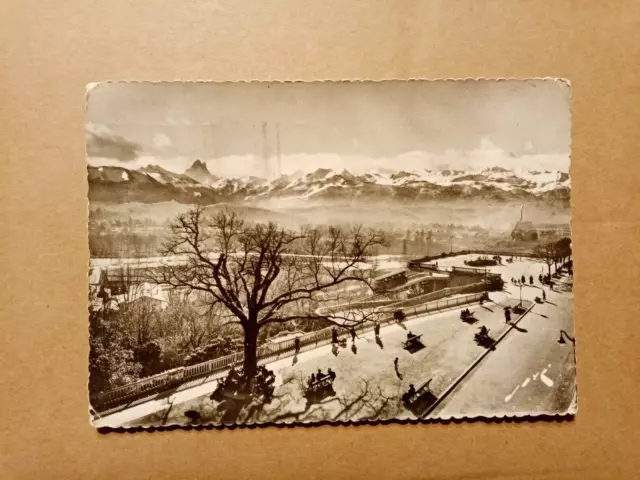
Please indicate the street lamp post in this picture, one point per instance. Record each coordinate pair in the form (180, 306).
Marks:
(564, 335)
(520, 295)
(451, 244)
(485, 281)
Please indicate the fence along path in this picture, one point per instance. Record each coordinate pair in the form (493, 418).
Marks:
(266, 353)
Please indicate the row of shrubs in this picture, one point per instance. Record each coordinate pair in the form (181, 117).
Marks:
(220, 347)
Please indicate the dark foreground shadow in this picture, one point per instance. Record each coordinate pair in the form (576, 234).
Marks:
(319, 396)
(485, 341)
(415, 347)
(420, 401)
(204, 425)
(520, 329)
(192, 416)
(166, 393)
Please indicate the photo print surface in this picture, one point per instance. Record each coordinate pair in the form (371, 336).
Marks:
(313, 252)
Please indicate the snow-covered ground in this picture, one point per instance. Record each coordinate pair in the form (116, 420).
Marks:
(367, 386)
(523, 266)
(381, 262)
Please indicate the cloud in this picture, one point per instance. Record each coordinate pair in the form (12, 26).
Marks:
(173, 164)
(102, 142)
(161, 141)
(487, 154)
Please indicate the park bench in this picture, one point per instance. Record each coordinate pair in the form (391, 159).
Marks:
(420, 401)
(467, 317)
(412, 342)
(325, 382)
(518, 309)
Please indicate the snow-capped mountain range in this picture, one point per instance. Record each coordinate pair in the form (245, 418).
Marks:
(197, 185)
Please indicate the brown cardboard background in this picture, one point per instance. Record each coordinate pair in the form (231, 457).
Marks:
(50, 50)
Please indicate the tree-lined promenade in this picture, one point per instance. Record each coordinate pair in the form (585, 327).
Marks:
(242, 277)
(262, 285)
(234, 285)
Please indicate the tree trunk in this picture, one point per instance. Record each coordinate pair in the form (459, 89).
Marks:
(250, 365)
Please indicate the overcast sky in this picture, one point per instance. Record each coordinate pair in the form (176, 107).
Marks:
(238, 128)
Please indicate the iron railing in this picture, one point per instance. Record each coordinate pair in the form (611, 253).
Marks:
(266, 353)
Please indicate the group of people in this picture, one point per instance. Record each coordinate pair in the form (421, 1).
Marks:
(236, 382)
(522, 280)
(543, 279)
(264, 382)
(465, 313)
(352, 332)
(233, 382)
(316, 377)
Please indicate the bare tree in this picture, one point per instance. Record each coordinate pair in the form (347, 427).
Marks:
(263, 274)
(547, 253)
(186, 324)
(137, 312)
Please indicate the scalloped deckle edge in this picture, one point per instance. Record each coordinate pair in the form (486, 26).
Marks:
(92, 85)
(165, 407)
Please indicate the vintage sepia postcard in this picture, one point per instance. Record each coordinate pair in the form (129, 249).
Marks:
(313, 252)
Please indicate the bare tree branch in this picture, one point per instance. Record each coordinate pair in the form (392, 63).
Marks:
(263, 274)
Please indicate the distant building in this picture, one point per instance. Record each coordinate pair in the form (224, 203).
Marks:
(96, 281)
(524, 231)
(527, 231)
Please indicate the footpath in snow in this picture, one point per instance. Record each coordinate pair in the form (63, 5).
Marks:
(367, 384)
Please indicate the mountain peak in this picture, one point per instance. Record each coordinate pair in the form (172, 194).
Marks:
(199, 171)
(198, 165)
(319, 174)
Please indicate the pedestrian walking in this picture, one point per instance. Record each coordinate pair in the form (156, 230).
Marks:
(334, 335)
(523, 280)
(296, 344)
(530, 279)
(376, 329)
(395, 366)
(544, 295)
(507, 314)
(352, 331)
